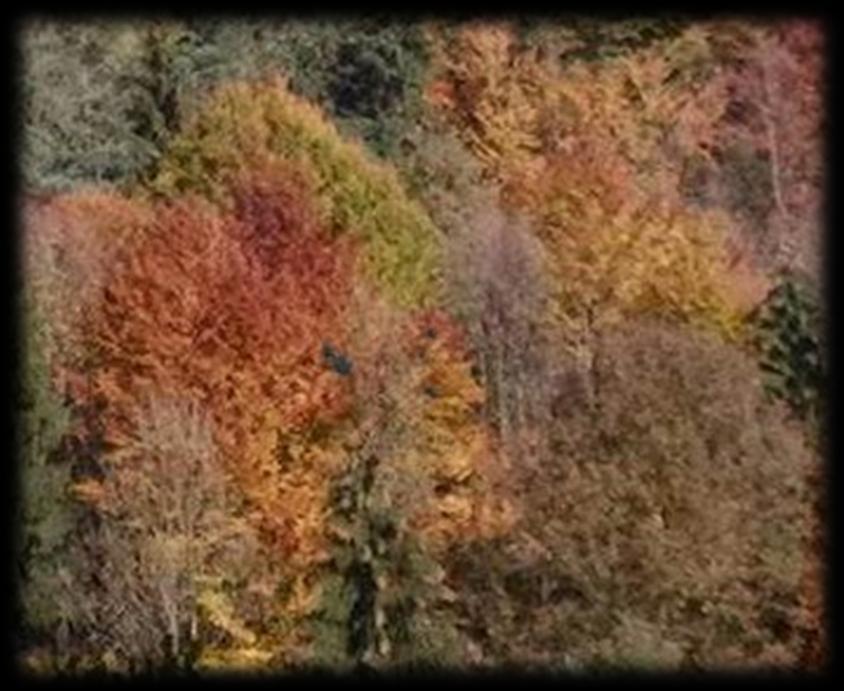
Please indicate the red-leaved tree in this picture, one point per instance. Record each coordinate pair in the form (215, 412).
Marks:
(232, 311)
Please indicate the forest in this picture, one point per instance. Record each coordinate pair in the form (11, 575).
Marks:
(359, 343)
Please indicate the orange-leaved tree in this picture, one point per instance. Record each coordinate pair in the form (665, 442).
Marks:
(231, 310)
(514, 107)
(617, 249)
(498, 96)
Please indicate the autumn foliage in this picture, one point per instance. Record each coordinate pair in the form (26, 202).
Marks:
(575, 149)
(416, 394)
(69, 244)
(231, 312)
(245, 123)
(236, 311)
(489, 393)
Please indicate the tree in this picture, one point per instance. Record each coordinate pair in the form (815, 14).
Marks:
(247, 123)
(169, 531)
(788, 327)
(515, 106)
(418, 477)
(670, 530)
(231, 311)
(81, 121)
(375, 81)
(592, 154)
(45, 514)
(774, 75)
(499, 285)
(493, 92)
(178, 68)
(67, 245)
(616, 251)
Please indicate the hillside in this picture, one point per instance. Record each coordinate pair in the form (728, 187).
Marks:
(358, 344)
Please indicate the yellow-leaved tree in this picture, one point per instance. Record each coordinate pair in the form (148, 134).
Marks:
(248, 124)
(592, 153)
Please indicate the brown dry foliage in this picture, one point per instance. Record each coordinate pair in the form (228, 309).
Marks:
(669, 528)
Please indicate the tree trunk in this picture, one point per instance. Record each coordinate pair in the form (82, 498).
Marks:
(769, 116)
(501, 395)
(591, 356)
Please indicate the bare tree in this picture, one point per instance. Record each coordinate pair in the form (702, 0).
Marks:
(775, 109)
(497, 281)
(166, 528)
